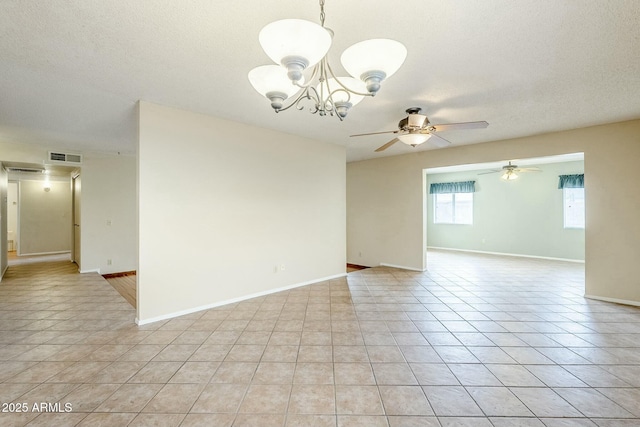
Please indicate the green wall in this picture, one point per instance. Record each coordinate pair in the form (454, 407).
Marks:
(521, 217)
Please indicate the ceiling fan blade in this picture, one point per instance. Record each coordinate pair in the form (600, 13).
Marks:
(491, 171)
(528, 170)
(375, 133)
(460, 126)
(438, 141)
(387, 145)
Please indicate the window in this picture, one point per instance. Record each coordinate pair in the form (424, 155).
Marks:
(573, 199)
(573, 207)
(453, 208)
(453, 202)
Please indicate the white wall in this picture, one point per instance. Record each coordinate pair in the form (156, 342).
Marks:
(522, 216)
(386, 216)
(108, 185)
(45, 217)
(222, 205)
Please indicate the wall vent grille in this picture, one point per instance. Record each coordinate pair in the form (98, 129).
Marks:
(67, 158)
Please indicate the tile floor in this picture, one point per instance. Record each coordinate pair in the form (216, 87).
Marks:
(475, 341)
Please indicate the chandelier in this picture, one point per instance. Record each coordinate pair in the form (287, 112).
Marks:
(297, 45)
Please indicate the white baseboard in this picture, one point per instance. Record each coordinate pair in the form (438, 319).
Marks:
(95, 270)
(615, 300)
(383, 264)
(580, 261)
(234, 300)
(45, 253)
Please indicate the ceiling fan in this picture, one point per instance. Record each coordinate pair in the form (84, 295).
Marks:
(510, 171)
(416, 129)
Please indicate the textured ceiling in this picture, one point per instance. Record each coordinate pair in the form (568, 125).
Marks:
(72, 71)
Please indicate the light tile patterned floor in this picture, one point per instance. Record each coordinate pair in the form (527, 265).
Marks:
(475, 341)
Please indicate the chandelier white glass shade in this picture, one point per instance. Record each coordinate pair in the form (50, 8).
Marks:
(296, 45)
(272, 82)
(414, 139)
(374, 60)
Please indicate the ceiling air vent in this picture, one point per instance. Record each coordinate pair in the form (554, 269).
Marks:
(67, 158)
(26, 170)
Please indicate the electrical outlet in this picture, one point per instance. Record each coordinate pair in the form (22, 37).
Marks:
(109, 261)
(282, 268)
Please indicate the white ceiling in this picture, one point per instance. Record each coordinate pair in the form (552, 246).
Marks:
(73, 70)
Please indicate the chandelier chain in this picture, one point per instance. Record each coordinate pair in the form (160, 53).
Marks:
(322, 15)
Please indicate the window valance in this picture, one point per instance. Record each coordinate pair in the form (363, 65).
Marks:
(571, 181)
(453, 187)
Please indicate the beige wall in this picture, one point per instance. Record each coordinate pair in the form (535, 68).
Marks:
(384, 212)
(386, 215)
(108, 213)
(4, 182)
(44, 217)
(223, 205)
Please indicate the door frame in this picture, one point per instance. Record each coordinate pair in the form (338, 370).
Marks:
(75, 218)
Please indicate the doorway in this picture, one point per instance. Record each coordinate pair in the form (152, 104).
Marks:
(12, 218)
(520, 217)
(36, 212)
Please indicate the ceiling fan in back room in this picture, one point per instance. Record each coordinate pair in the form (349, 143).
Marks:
(510, 171)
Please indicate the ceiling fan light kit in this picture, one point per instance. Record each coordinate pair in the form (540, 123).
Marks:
(509, 175)
(414, 139)
(297, 45)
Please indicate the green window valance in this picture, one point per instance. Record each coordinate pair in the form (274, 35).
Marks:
(453, 187)
(571, 181)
